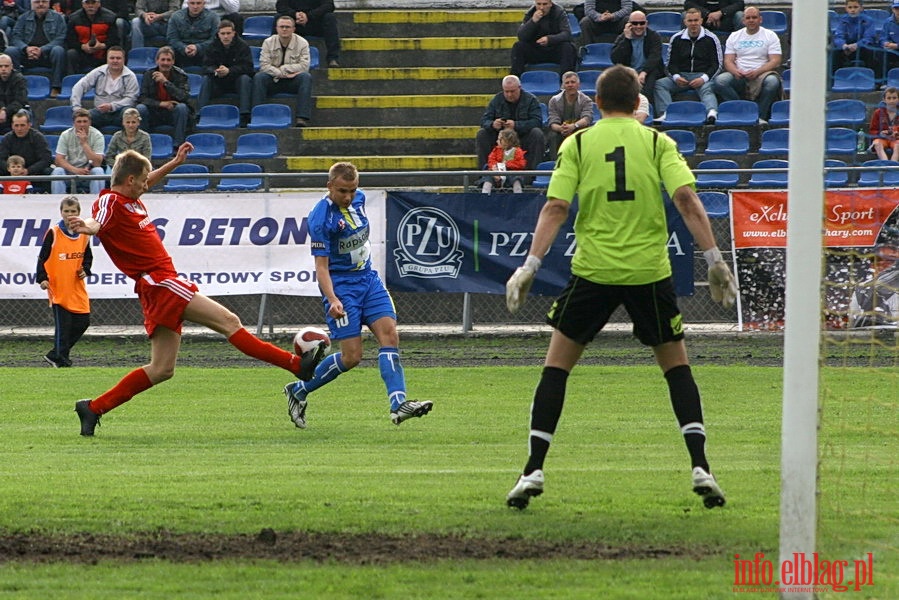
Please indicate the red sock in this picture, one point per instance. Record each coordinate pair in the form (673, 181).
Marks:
(130, 386)
(251, 345)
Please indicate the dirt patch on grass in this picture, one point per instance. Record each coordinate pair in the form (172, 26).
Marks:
(355, 549)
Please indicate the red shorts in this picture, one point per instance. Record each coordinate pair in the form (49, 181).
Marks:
(163, 298)
(886, 143)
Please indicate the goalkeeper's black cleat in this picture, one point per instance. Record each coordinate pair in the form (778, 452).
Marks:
(89, 419)
(309, 360)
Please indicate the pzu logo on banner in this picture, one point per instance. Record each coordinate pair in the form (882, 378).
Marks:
(428, 244)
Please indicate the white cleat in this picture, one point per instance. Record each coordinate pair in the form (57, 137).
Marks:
(410, 409)
(527, 487)
(705, 485)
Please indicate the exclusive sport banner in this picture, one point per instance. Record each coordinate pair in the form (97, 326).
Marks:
(861, 266)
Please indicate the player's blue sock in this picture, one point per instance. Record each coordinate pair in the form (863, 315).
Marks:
(393, 375)
(326, 372)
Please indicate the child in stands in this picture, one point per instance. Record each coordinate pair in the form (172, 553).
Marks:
(885, 126)
(15, 164)
(506, 156)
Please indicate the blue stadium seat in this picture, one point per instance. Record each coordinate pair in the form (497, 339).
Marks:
(780, 114)
(853, 79)
(736, 113)
(840, 140)
(597, 56)
(880, 177)
(542, 181)
(574, 24)
(686, 140)
(723, 142)
(256, 51)
(52, 140)
(835, 178)
(218, 116)
(666, 52)
(727, 178)
(893, 77)
(258, 27)
(141, 59)
(775, 141)
(878, 15)
(195, 81)
(846, 113)
(57, 119)
(544, 114)
(256, 145)
(189, 184)
(162, 145)
(685, 113)
(776, 21)
(270, 116)
(588, 81)
(68, 82)
(666, 23)
(207, 145)
(768, 180)
(717, 204)
(540, 83)
(242, 184)
(313, 58)
(38, 87)
(785, 79)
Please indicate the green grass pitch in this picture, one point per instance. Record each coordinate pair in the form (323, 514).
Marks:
(213, 452)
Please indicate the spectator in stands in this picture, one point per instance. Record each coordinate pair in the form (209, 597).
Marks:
(314, 18)
(31, 145)
(79, 152)
(165, 97)
(569, 110)
(506, 156)
(884, 128)
(228, 67)
(604, 20)
(150, 25)
(38, 40)
(225, 9)
(853, 38)
(693, 63)
(122, 11)
(190, 32)
(15, 164)
(544, 36)
(91, 31)
(115, 89)
(10, 11)
(751, 58)
(512, 108)
(284, 67)
(13, 92)
(718, 15)
(889, 39)
(130, 137)
(640, 48)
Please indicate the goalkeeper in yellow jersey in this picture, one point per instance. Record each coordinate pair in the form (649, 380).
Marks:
(616, 169)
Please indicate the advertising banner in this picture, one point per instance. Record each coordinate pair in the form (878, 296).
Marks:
(227, 243)
(861, 239)
(473, 243)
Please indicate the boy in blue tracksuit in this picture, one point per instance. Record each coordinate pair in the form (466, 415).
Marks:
(853, 38)
(353, 294)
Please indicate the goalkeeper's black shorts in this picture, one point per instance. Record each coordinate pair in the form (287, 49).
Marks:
(583, 309)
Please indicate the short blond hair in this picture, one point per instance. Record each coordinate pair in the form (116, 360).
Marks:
(128, 163)
(15, 160)
(343, 170)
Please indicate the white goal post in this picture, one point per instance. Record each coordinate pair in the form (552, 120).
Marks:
(803, 320)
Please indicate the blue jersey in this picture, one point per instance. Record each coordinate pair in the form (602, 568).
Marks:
(341, 234)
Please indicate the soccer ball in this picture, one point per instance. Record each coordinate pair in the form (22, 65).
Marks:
(311, 338)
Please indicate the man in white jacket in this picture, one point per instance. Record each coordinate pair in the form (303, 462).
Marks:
(115, 89)
(284, 67)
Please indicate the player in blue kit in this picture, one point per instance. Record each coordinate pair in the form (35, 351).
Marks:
(353, 294)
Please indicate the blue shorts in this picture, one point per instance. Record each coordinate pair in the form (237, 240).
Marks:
(365, 300)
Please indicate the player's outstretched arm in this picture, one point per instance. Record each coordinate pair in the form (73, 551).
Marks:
(157, 175)
(722, 285)
(552, 215)
(87, 226)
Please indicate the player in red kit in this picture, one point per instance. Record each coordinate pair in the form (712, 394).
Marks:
(120, 220)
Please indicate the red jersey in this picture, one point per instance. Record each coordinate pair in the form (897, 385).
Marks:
(129, 236)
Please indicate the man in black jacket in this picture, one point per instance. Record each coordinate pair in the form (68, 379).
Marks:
(31, 145)
(165, 97)
(314, 18)
(228, 67)
(13, 92)
(544, 36)
(512, 108)
(719, 15)
(640, 48)
(694, 61)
